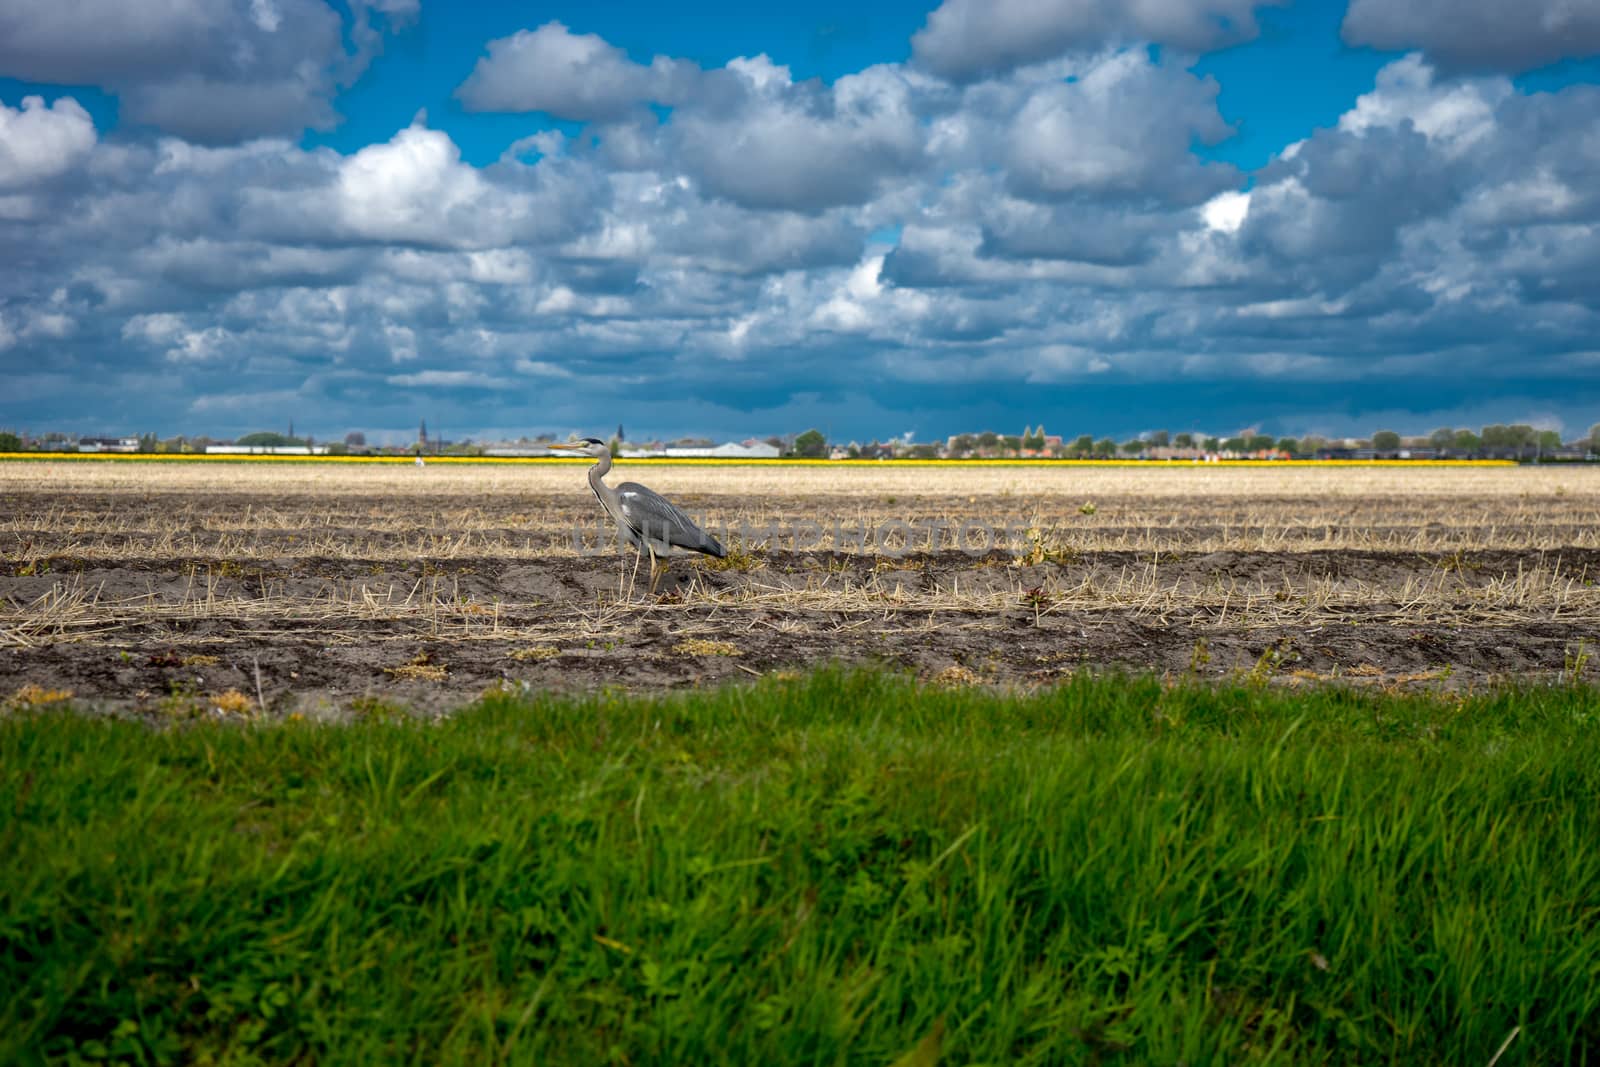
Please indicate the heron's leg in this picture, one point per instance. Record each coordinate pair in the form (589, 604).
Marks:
(633, 579)
(653, 578)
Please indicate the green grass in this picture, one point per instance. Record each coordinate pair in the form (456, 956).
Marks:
(814, 872)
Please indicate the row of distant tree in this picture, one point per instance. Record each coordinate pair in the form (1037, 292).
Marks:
(1496, 440)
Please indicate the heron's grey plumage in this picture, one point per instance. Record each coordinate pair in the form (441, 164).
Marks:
(656, 518)
(645, 518)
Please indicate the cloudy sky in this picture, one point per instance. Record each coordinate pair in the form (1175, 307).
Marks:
(1108, 216)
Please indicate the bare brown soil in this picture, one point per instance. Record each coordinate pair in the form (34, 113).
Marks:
(309, 590)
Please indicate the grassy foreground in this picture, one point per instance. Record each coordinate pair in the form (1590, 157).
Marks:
(830, 870)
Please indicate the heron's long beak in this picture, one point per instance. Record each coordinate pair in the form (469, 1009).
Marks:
(565, 448)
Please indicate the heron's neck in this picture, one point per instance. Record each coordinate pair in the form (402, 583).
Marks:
(607, 495)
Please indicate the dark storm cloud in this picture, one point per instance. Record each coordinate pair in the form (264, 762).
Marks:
(212, 73)
(966, 39)
(1333, 213)
(1084, 232)
(722, 238)
(1481, 36)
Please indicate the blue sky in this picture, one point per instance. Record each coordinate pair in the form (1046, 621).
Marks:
(931, 217)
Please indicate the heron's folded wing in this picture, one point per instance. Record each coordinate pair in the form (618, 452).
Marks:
(653, 515)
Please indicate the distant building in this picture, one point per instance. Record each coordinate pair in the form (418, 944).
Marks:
(108, 444)
(265, 450)
(647, 450)
(516, 450)
(747, 449)
(750, 449)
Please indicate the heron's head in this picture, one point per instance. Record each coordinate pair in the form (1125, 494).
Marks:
(589, 446)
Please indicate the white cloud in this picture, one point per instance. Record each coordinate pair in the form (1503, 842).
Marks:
(762, 73)
(541, 368)
(39, 141)
(194, 346)
(1226, 211)
(406, 189)
(570, 75)
(265, 15)
(501, 266)
(1455, 113)
(415, 189)
(774, 144)
(156, 328)
(402, 342)
(179, 340)
(49, 325)
(1124, 127)
(850, 309)
(449, 379)
(1299, 308)
(1536, 195)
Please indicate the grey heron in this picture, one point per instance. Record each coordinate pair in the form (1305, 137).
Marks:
(645, 518)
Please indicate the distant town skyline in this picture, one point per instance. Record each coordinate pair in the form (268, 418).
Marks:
(724, 219)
